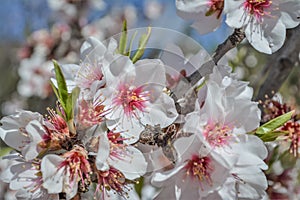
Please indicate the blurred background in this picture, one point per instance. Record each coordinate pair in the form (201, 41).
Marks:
(35, 32)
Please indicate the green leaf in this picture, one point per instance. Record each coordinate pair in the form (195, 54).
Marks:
(271, 136)
(66, 100)
(139, 186)
(274, 123)
(142, 44)
(123, 39)
(70, 104)
(62, 86)
(131, 43)
(4, 151)
(69, 108)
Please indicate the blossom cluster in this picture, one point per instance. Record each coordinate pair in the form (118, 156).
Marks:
(35, 59)
(63, 40)
(264, 21)
(131, 125)
(123, 124)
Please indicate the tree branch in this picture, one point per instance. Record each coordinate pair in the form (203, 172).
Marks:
(281, 64)
(232, 41)
(183, 88)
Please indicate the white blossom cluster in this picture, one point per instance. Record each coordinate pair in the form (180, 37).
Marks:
(264, 21)
(125, 125)
(120, 132)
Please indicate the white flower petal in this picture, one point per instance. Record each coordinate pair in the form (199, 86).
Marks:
(230, 5)
(207, 24)
(52, 175)
(133, 165)
(36, 132)
(103, 153)
(160, 179)
(237, 18)
(268, 37)
(150, 71)
(162, 112)
(92, 49)
(191, 6)
(290, 12)
(11, 125)
(130, 128)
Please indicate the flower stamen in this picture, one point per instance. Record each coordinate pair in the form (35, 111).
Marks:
(216, 135)
(132, 99)
(200, 168)
(258, 8)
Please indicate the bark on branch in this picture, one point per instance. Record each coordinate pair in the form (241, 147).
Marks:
(185, 86)
(232, 41)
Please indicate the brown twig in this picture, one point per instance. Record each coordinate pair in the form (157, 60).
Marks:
(281, 64)
(185, 85)
(232, 41)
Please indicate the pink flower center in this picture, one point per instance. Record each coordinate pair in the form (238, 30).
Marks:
(117, 146)
(216, 135)
(78, 166)
(57, 131)
(131, 98)
(57, 123)
(111, 179)
(200, 168)
(258, 8)
(215, 6)
(91, 113)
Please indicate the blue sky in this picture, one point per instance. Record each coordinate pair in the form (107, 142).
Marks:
(19, 17)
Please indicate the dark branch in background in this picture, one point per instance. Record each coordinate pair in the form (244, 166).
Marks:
(232, 41)
(280, 64)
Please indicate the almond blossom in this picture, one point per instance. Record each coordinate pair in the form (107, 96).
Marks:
(38, 67)
(247, 180)
(127, 124)
(88, 75)
(32, 134)
(135, 96)
(25, 177)
(220, 134)
(23, 131)
(221, 118)
(66, 173)
(206, 14)
(264, 21)
(116, 164)
(196, 174)
(112, 151)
